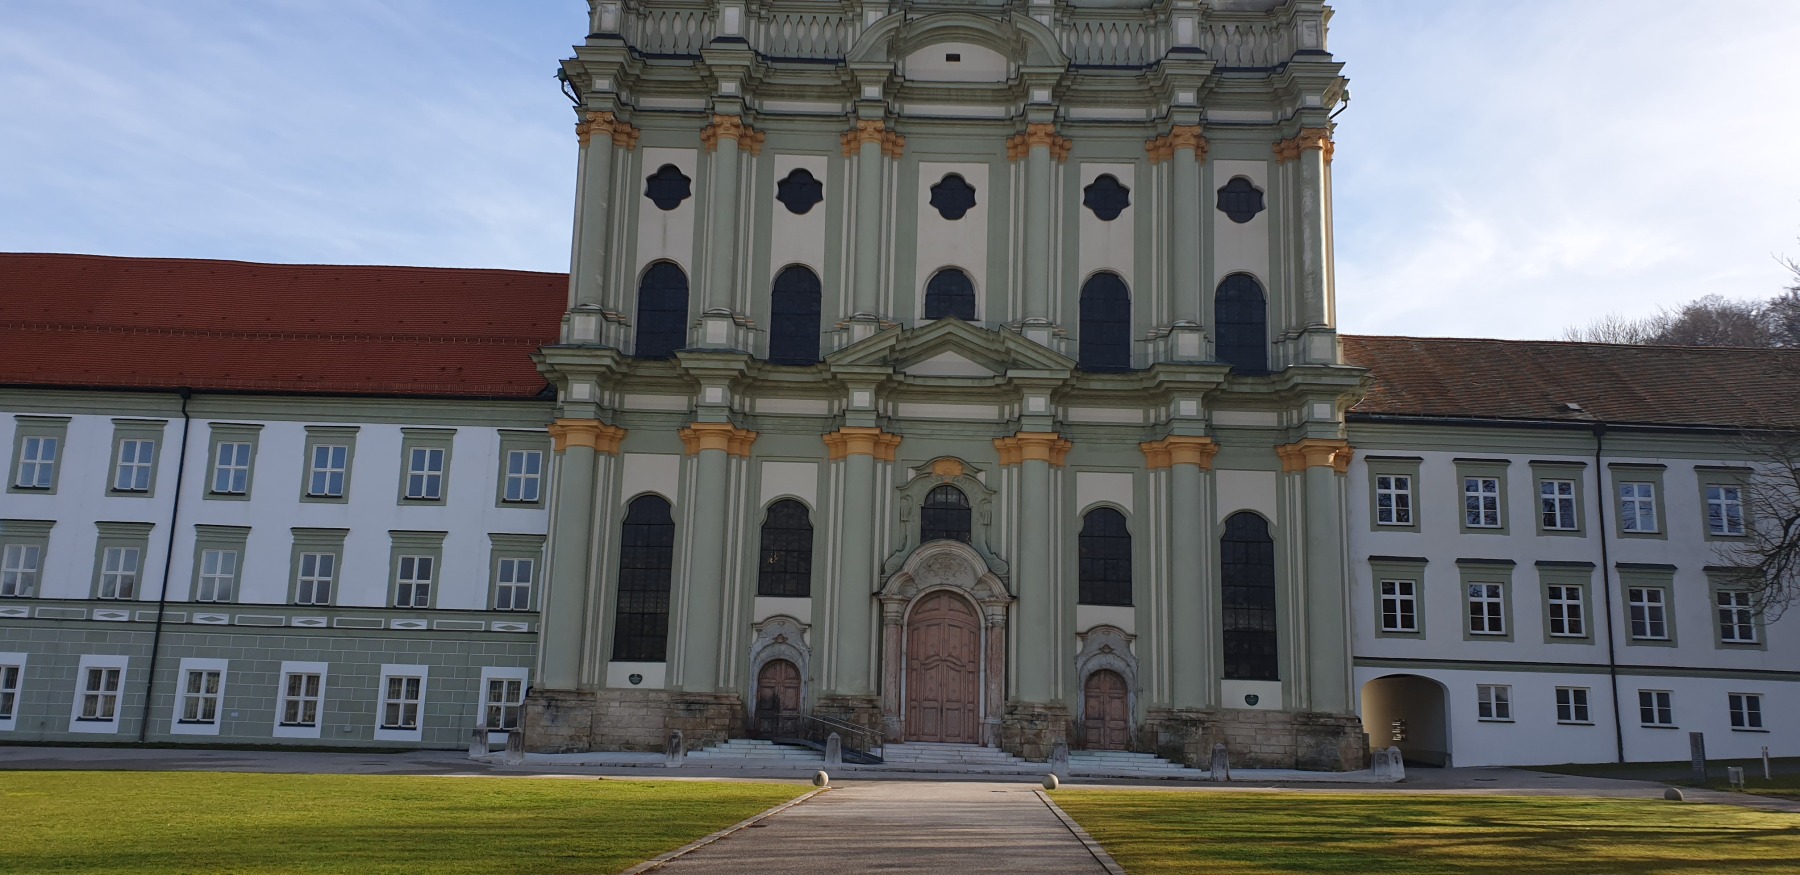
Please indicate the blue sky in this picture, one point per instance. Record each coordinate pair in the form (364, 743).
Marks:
(1506, 168)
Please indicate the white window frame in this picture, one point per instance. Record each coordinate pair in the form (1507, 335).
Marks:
(1487, 502)
(135, 464)
(234, 470)
(424, 482)
(1661, 705)
(1746, 712)
(1658, 605)
(502, 585)
(414, 576)
(1573, 706)
(329, 468)
(91, 663)
(38, 454)
(1493, 703)
(19, 578)
(1397, 489)
(534, 480)
(417, 731)
(1556, 505)
(178, 721)
(1637, 504)
(12, 668)
(489, 675)
(1735, 617)
(1557, 601)
(1724, 509)
(215, 584)
(1491, 593)
(288, 669)
(309, 584)
(1404, 620)
(115, 578)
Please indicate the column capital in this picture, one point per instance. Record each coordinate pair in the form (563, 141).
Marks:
(702, 436)
(873, 131)
(590, 433)
(1309, 139)
(606, 125)
(1315, 453)
(1180, 449)
(852, 440)
(1035, 135)
(1179, 137)
(1034, 446)
(731, 127)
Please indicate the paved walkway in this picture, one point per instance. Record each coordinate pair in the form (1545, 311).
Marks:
(915, 826)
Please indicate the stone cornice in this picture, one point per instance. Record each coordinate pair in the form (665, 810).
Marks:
(1035, 135)
(590, 433)
(854, 440)
(731, 127)
(1033, 446)
(1315, 139)
(1179, 137)
(1179, 449)
(873, 131)
(606, 124)
(702, 436)
(1315, 453)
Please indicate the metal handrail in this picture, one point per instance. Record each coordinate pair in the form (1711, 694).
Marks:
(852, 737)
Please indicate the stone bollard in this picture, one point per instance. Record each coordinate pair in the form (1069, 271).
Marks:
(1672, 794)
(821, 779)
(1059, 760)
(1050, 781)
(1396, 764)
(834, 750)
(515, 748)
(1221, 763)
(478, 743)
(675, 750)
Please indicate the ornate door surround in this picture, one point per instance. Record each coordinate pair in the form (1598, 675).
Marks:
(935, 567)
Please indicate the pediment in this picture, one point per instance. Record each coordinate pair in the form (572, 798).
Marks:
(952, 348)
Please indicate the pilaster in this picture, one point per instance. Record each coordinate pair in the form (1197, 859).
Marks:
(1311, 152)
(703, 615)
(1039, 144)
(869, 142)
(1194, 596)
(1322, 625)
(569, 597)
(725, 137)
(599, 134)
(1185, 148)
(1038, 629)
(855, 451)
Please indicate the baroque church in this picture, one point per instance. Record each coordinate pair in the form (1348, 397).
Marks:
(944, 372)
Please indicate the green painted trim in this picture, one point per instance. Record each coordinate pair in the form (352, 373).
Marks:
(1622, 473)
(1598, 669)
(1647, 579)
(330, 436)
(1580, 579)
(326, 541)
(28, 533)
(271, 407)
(523, 442)
(511, 546)
(1483, 469)
(1560, 472)
(121, 536)
(1715, 476)
(1717, 582)
(135, 430)
(1384, 569)
(234, 539)
(230, 433)
(40, 427)
(416, 545)
(424, 440)
(1392, 467)
(1469, 575)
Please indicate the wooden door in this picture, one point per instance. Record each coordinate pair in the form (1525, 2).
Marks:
(943, 671)
(777, 698)
(1107, 713)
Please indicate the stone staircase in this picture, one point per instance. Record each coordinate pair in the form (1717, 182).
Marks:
(916, 755)
(1123, 764)
(741, 751)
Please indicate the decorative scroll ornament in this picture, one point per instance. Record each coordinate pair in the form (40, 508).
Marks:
(1316, 139)
(893, 145)
(1020, 145)
(731, 127)
(1163, 148)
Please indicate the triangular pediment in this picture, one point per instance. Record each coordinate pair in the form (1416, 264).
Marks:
(952, 348)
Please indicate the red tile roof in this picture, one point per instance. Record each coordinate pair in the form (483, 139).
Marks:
(1535, 379)
(97, 321)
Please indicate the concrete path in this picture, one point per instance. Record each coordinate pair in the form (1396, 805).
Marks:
(883, 826)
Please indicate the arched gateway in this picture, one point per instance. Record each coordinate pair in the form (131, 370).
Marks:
(943, 647)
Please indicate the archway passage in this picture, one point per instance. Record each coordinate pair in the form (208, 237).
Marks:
(943, 671)
(777, 699)
(1106, 711)
(1407, 712)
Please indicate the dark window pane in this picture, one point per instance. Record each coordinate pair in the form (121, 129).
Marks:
(1239, 200)
(1105, 546)
(668, 187)
(1247, 587)
(1241, 324)
(787, 539)
(953, 197)
(646, 563)
(1105, 324)
(794, 317)
(950, 293)
(1106, 197)
(945, 516)
(662, 311)
(799, 192)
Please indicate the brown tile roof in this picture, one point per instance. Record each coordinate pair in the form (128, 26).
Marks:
(97, 321)
(1533, 379)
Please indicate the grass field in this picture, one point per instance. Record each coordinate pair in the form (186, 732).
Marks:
(1158, 832)
(223, 822)
(1783, 782)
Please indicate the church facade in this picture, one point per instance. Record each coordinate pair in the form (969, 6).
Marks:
(925, 371)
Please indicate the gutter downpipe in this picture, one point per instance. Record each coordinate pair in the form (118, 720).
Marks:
(162, 595)
(1606, 579)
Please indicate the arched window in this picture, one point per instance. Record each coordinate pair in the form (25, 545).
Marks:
(646, 557)
(1105, 558)
(1241, 317)
(794, 317)
(1247, 585)
(787, 541)
(662, 311)
(945, 516)
(950, 293)
(1105, 324)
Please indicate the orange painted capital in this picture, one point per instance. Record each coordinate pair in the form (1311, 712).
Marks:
(1180, 449)
(852, 440)
(1033, 446)
(590, 433)
(723, 436)
(605, 124)
(1316, 453)
(1179, 137)
(1035, 135)
(872, 131)
(1309, 140)
(731, 127)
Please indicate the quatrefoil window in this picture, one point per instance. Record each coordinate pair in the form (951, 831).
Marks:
(1106, 197)
(1240, 200)
(668, 187)
(799, 191)
(953, 197)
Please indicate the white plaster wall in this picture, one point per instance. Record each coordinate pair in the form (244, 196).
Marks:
(977, 64)
(655, 675)
(1240, 248)
(665, 235)
(650, 472)
(797, 479)
(1245, 490)
(1109, 245)
(944, 243)
(1123, 617)
(1233, 693)
(773, 606)
(797, 239)
(1095, 487)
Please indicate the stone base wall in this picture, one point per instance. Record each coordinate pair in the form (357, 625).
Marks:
(1257, 739)
(859, 711)
(571, 721)
(1028, 731)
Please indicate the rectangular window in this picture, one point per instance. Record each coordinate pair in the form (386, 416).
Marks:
(19, 566)
(200, 693)
(1637, 507)
(1556, 504)
(400, 700)
(328, 473)
(524, 476)
(512, 584)
(1393, 500)
(1724, 509)
(316, 561)
(505, 699)
(37, 462)
(1481, 502)
(100, 695)
(1649, 617)
(132, 471)
(1656, 708)
(425, 474)
(412, 582)
(1493, 702)
(1568, 616)
(1737, 618)
(1487, 609)
(11, 674)
(1399, 606)
(1746, 711)
(231, 469)
(119, 573)
(301, 693)
(317, 571)
(1572, 705)
(218, 576)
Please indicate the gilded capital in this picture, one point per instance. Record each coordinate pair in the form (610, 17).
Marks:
(1035, 135)
(854, 440)
(1033, 446)
(702, 436)
(1309, 139)
(731, 127)
(590, 433)
(1179, 137)
(603, 123)
(872, 131)
(1180, 449)
(1315, 453)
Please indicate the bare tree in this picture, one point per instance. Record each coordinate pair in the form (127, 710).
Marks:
(1768, 560)
(1612, 328)
(1712, 321)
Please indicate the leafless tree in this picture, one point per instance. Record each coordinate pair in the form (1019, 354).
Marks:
(1768, 560)
(1612, 328)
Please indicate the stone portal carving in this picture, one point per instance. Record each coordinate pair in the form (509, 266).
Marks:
(780, 637)
(1105, 648)
(936, 567)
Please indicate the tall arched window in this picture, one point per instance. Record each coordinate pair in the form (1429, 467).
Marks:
(950, 292)
(794, 317)
(662, 311)
(1241, 318)
(1105, 324)
(646, 560)
(1105, 572)
(787, 542)
(945, 516)
(1247, 584)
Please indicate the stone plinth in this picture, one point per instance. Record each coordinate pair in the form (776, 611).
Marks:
(863, 712)
(1031, 731)
(1256, 739)
(559, 721)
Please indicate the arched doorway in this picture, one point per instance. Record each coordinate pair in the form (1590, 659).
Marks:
(777, 699)
(943, 670)
(1106, 711)
(1408, 712)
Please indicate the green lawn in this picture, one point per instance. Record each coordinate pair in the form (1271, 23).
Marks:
(225, 822)
(1784, 781)
(1232, 832)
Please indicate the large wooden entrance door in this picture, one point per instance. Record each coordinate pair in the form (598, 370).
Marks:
(777, 699)
(943, 670)
(1106, 720)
